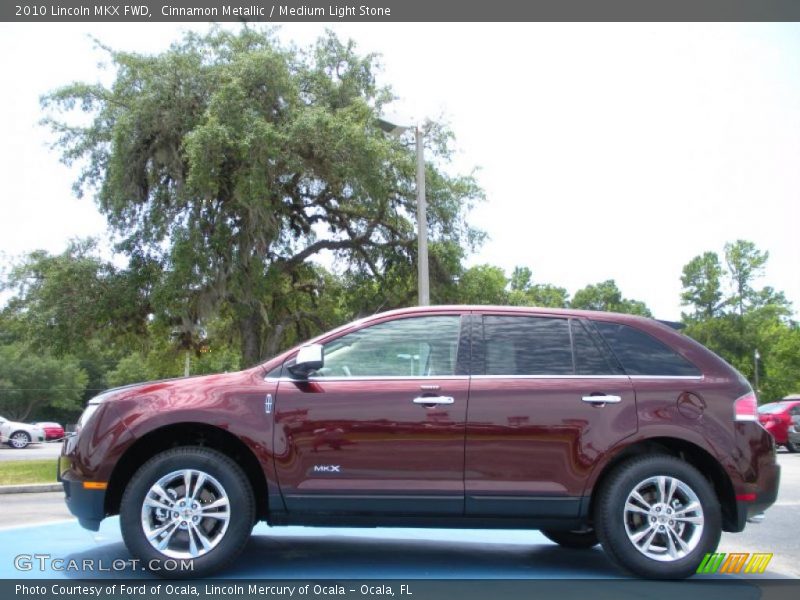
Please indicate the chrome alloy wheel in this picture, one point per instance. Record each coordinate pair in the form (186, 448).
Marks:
(185, 514)
(19, 440)
(663, 518)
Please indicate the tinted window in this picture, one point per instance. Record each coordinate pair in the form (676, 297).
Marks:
(769, 409)
(527, 346)
(589, 358)
(642, 354)
(416, 347)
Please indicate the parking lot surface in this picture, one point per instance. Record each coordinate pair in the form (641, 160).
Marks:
(32, 452)
(380, 553)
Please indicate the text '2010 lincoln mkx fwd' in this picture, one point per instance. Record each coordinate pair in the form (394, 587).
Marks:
(591, 427)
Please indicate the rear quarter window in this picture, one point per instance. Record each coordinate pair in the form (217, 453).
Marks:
(642, 354)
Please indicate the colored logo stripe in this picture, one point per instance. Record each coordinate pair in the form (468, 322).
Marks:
(735, 562)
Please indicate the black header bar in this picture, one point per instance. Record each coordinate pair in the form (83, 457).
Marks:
(396, 11)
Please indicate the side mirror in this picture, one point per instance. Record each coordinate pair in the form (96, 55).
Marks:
(310, 358)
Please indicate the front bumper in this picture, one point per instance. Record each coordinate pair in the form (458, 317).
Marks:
(87, 504)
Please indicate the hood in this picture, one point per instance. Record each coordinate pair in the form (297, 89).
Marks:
(162, 385)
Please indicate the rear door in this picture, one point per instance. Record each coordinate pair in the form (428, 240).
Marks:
(546, 402)
(380, 429)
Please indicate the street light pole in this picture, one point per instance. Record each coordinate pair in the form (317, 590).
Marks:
(423, 280)
(423, 277)
(756, 356)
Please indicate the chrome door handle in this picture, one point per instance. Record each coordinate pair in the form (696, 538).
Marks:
(433, 400)
(602, 399)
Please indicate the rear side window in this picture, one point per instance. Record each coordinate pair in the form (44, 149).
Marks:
(527, 346)
(642, 354)
(590, 359)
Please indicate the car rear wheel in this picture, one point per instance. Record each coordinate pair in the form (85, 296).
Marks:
(187, 506)
(792, 447)
(657, 517)
(577, 539)
(19, 440)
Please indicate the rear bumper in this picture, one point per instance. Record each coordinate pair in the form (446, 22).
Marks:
(778, 431)
(769, 485)
(756, 477)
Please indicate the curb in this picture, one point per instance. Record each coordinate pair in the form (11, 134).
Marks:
(26, 488)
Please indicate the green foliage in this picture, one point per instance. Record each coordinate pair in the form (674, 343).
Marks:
(523, 292)
(735, 319)
(701, 281)
(483, 284)
(33, 382)
(60, 303)
(229, 161)
(781, 363)
(608, 297)
(745, 264)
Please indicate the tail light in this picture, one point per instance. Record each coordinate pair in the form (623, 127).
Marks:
(746, 408)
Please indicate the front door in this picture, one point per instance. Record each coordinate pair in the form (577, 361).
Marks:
(545, 405)
(380, 428)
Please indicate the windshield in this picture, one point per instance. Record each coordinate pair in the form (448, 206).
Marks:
(769, 409)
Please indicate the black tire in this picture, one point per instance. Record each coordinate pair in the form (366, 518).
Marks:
(611, 519)
(231, 541)
(578, 540)
(22, 436)
(792, 447)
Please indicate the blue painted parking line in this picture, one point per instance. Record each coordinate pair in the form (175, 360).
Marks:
(305, 552)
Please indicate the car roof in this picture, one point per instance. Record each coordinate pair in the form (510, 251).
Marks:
(539, 310)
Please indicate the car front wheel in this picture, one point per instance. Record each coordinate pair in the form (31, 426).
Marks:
(657, 517)
(190, 508)
(792, 447)
(19, 440)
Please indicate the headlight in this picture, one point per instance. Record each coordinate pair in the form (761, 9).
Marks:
(90, 409)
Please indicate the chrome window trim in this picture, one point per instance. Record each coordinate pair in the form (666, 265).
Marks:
(488, 377)
(620, 377)
(377, 378)
(679, 377)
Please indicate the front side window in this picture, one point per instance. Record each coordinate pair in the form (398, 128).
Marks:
(642, 354)
(515, 345)
(414, 347)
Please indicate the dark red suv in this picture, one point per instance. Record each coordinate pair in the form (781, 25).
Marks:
(593, 427)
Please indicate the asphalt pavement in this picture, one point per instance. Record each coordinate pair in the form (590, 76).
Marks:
(31, 452)
(779, 533)
(39, 523)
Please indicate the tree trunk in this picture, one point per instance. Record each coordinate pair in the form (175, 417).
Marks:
(273, 340)
(250, 330)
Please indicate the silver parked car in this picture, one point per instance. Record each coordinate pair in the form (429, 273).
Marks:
(794, 427)
(19, 435)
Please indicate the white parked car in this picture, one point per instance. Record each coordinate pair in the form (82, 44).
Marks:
(19, 435)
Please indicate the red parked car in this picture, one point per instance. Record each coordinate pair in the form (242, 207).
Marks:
(593, 427)
(52, 431)
(776, 417)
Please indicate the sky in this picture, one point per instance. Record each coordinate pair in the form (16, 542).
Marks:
(606, 151)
